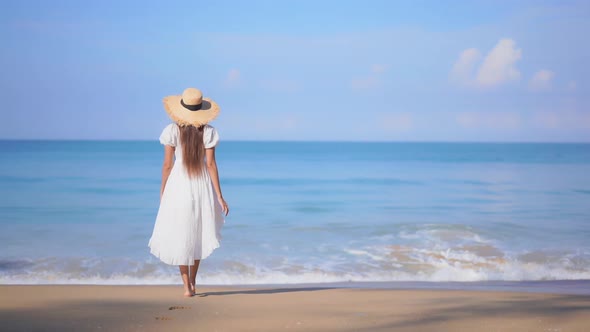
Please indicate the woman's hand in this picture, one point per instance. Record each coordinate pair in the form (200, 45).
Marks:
(223, 204)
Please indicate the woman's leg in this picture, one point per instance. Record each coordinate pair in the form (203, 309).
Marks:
(193, 275)
(185, 280)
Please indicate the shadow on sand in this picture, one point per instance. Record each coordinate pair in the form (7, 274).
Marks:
(264, 291)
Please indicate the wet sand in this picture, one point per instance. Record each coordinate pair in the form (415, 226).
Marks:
(162, 308)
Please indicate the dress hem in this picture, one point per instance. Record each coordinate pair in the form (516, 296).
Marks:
(174, 261)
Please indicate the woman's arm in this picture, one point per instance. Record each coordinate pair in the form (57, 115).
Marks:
(167, 166)
(212, 168)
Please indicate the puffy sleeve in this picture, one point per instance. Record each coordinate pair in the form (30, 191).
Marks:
(169, 135)
(210, 137)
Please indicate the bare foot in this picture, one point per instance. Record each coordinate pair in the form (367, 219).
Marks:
(188, 293)
(193, 289)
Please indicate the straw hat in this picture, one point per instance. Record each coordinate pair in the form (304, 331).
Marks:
(191, 108)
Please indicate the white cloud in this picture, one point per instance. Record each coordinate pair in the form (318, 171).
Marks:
(233, 77)
(489, 120)
(498, 66)
(569, 119)
(372, 80)
(463, 69)
(541, 80)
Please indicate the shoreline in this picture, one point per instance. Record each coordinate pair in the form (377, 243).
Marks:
(256, 308)
(572, 287)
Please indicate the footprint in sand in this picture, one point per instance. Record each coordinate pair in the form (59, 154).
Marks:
(176, 307)
(163, 318)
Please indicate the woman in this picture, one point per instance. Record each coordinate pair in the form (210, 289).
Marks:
(192, 208)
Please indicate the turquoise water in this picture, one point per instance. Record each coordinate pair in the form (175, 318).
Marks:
(83, 212)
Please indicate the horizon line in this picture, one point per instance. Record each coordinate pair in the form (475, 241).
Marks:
(290, 141)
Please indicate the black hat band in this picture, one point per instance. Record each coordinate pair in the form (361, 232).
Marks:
(191, 107)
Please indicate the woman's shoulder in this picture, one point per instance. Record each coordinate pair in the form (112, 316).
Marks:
(209, 130)
(210, 136)
(169, 134)
(171, 126)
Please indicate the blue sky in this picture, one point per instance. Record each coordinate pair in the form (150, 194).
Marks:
(299, 70)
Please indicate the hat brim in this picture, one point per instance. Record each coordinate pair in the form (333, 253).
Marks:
(184, 117)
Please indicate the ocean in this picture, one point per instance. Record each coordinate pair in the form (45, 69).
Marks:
(82, 212)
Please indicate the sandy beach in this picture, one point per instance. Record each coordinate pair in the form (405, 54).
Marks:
(162, 308)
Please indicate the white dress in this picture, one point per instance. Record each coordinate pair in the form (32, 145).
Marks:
(189, 220)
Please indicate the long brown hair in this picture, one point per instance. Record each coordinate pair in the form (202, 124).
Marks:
(193, 149)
